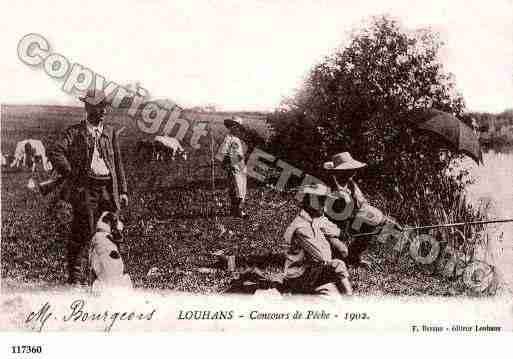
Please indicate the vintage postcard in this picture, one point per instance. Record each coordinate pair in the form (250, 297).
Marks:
(256, 166)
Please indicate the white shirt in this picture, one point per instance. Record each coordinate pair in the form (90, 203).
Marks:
(98, 166)
(306, 239)
(233, 148)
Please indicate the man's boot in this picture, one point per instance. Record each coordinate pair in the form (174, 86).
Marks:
(237, 209)
(74, 265)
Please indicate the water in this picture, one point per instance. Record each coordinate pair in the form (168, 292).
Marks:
(494, 183)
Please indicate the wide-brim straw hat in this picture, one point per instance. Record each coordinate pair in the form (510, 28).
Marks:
(235, 121)
(95, 97)
(317, 189)
(343, 161)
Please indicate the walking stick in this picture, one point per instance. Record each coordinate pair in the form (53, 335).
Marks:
(212, 157)
(212, 163)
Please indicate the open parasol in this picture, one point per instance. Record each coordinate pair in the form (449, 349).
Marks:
(453, 131)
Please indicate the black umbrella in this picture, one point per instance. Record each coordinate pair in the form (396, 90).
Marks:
(453, 131)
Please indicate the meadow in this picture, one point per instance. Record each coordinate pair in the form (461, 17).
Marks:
(175, 219)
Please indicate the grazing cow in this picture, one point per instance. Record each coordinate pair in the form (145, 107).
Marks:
(28, 153)
(166, 147)
(160, 148)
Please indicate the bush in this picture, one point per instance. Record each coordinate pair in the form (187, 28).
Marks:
(360, 100)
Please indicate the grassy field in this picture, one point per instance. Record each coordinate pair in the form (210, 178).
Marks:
(174, 222)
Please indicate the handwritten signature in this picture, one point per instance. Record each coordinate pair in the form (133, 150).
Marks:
(77, 313)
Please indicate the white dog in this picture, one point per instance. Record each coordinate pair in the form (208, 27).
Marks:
(107, 267)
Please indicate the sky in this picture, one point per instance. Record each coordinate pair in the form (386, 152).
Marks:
(243, 55)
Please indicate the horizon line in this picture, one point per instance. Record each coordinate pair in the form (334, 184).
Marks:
(220, 110)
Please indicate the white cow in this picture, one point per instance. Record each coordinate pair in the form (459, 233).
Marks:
(27, 152)
(169, 145)
(4, 160)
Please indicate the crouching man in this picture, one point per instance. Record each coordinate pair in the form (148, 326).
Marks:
(352, 213)
(358, 216)
(309, 265)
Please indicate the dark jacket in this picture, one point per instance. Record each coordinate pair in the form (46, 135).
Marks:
(72, 153)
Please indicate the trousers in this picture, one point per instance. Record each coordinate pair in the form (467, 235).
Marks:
(89, 202)
(237, 184)
(319, 280)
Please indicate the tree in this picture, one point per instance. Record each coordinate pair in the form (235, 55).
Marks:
(359, 100)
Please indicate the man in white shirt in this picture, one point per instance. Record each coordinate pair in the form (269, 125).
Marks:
(88, 156)
(233, 162)
(309, 265)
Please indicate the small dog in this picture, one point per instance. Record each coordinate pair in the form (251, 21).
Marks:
(106, 264)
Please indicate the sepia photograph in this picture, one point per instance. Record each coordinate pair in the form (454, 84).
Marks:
(256, 166)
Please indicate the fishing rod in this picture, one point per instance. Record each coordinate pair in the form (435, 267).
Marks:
(445, 225)
(460, 224)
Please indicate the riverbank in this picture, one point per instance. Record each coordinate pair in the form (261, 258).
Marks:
(494, 186)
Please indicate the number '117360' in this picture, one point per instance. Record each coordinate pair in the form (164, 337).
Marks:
(26, 349)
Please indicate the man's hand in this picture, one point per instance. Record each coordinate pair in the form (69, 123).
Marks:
(391, 221)
(338, 266)
(124, 200)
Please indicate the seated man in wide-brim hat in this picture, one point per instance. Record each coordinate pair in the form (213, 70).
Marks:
(309, 266)
(351, 211)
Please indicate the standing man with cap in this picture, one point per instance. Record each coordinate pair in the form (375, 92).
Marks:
(88, 156)
(309, 265)
(352, 204)
(233, 163)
